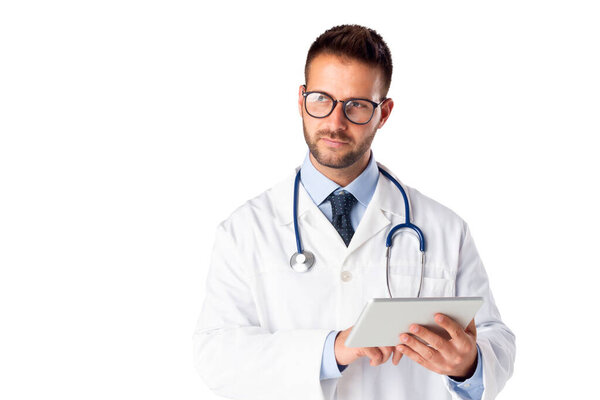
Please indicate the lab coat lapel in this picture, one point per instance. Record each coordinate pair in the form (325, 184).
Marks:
(317, 233)
(282, 196)
(324, 238)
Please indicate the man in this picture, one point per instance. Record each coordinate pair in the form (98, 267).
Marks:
(269, 332)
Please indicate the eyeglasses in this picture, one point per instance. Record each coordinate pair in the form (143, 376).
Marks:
(358, 111)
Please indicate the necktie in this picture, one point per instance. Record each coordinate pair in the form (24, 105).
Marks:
(341, 205)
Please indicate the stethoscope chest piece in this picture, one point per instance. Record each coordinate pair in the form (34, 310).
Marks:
(302, 262)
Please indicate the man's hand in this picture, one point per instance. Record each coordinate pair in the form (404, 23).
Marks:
(346, 355)
(456, 358)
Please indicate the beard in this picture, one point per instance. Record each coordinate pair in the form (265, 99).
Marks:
(337, 158)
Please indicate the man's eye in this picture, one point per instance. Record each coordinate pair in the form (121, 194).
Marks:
(356, 104)
(322, 98)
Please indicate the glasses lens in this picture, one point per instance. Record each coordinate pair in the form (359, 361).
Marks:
(359, 111)
(318, 104)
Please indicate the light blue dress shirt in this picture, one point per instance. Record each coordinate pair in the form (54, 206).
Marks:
(319, 187)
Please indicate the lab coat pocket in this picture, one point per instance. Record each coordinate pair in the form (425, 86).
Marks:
(405, 278)
(437, 287)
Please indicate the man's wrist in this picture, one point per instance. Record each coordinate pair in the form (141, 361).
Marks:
(341, 367)
(469, 375)
(472, 371)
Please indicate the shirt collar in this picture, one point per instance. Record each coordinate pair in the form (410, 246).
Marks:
(319, 186)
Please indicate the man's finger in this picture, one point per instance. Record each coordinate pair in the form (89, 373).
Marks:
(433, 339)
(452, 327)
(374, 354)
(410, 353)
(387, 352)
(397, 356)
(426, 352)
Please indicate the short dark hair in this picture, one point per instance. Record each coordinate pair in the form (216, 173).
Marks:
(354, 42)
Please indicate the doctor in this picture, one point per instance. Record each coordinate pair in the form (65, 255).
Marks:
(267, 331)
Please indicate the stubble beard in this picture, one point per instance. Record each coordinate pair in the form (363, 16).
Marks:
(331, 159)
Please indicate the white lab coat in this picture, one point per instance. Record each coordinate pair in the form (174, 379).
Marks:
(262, 327)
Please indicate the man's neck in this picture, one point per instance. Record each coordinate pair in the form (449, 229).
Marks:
(342, 176)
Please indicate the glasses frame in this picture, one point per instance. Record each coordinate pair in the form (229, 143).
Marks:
(344, 102)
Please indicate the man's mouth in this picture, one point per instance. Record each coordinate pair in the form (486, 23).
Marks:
(333, 142)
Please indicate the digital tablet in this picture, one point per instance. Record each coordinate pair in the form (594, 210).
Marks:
(383, 320)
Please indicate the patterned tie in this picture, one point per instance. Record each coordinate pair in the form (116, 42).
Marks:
(341, 205)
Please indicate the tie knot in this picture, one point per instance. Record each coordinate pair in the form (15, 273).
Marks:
(342, 203)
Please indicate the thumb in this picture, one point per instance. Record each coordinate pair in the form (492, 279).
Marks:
(472, 329)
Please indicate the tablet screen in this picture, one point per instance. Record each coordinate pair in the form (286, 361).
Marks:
(383, 320)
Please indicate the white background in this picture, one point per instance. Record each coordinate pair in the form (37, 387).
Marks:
(129, 131)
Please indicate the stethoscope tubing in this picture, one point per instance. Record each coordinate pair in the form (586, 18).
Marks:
(305, 257)
(296, 231)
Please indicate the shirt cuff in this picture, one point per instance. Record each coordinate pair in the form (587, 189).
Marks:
(471, 388)
(330, 369)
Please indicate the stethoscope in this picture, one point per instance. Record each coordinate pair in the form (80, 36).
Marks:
(303, 260)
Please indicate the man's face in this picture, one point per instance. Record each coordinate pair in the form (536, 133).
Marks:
(334, 141)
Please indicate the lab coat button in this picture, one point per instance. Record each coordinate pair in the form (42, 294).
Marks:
(346, 276)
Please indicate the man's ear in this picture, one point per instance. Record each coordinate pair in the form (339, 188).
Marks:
(301, 90)
(386, 110)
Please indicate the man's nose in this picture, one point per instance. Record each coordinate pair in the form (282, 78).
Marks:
(337, 120)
